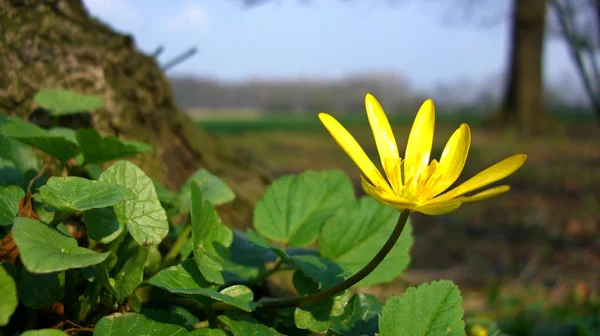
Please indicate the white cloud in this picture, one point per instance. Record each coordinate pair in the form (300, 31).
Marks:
(192, 17)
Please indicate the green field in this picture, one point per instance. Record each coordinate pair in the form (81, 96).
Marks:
(523, 259)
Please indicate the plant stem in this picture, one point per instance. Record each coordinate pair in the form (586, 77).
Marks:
(211, 316)
(364, 272)
(267, 273)
(174, 251)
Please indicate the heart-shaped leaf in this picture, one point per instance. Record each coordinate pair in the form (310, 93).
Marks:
(212, 189)
(44, 249)
(102, 225)
(97, 149)
(8, 293)
(9, 203)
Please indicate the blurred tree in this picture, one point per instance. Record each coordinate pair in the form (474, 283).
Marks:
(523, 102)
(578, 22)
(57, 44)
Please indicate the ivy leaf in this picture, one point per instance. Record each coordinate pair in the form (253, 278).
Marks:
(71, 194)
(32, 135)
(132, 324)
(102, 225)
(210, 238)
(8, 293)
(44, 249)
(431, 309)
(354, 235)
(185, 279)
(317, 316)
(143, 216)
(130, 275)
(45, 332)
(41, 290)
(293, 209)
(246, 326)
(360, 316)
(63, 102)
(9, 203)
(97, 149)
(212, 188)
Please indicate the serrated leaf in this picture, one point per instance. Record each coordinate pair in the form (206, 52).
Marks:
(45, 332)
(62, 102)
(9, 203)
(360, 316)
(293, 209)
(97, 149)
(71, 194)
(8, 295)
(130, 275)
(173, 315)
(133, 324)
(143, 216)
(32, 135)
(185, 279)
(354, 235)
(44, 249)
(212, 188)
(102, 225)
(429, 310)
(41, 290)
(210, 238)
(325, 272)
(246, 326)
(245, 264)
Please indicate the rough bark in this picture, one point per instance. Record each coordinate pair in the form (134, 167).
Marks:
(523, 104)
(57, 44)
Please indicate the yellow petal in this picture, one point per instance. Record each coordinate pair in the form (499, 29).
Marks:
(438, 208)
(452, 161)
(490, 175)
(394, 174)
(488, 193)
(353, 149)
(384, 137)
(385, 197)
(420, 140)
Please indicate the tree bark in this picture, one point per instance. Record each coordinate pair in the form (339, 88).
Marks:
(523, 103)
(57, 44)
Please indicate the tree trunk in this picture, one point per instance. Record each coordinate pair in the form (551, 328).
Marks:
(57, 44)
(523, 104)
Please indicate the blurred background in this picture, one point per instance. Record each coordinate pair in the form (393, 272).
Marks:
(524, 74)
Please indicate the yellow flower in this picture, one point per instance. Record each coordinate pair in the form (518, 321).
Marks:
(415, 183)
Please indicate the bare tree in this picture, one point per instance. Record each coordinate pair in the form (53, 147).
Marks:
(578, 22)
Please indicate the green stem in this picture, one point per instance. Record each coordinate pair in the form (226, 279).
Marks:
(174, 251)
(364, 272)
(211, 316)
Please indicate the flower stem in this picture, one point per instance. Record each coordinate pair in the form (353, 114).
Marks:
(351, 281)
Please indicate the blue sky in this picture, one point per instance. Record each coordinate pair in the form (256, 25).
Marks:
(327, 39)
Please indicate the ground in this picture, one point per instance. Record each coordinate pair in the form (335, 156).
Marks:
(542, 238)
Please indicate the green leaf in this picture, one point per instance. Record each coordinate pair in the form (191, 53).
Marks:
(164, 194)
(8, 293)
(133, 324)
(71, 194)
(210, 238)
(360, 316)
(19, 154)
(354, 235)
(32, 135)
(429, 310)
(45, 332)
(63, 102)
(98, 149)
(212, 188)
(209, 332)
(185, 279)
(264, 246)
(102, 225)
(324, 271)
(317, 316)
(246, 326)
(293, 209)
(143, 216)
(245, 264)
(9, 203)
(44, 249)
(41, 290)
(172, 315)
(130, 275)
